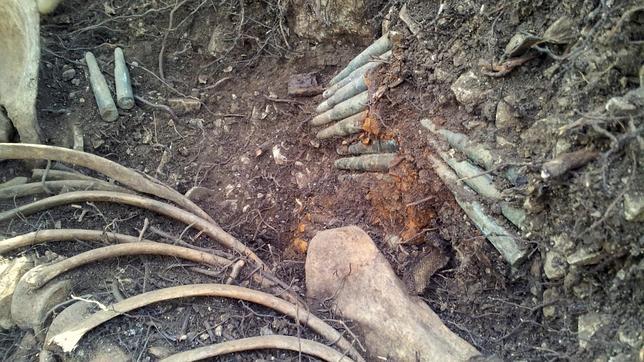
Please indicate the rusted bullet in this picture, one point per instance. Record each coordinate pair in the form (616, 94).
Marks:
(345, 109)
(475, 152)
(354, 87)
(106, 107)
(377, 48)
(377, 146)
(122, 81)
(378, 162)
(473, 177)
(365, 69)
(345, 127)
(508, 245)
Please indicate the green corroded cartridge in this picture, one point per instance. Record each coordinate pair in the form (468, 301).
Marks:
(122, 81)
(106, 107)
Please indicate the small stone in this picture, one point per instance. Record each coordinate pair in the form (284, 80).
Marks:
(96, 142)
(587, 325)
(550, 295)
(10, 273)
(219, 330)
(393, 241)
(629, 334)
(503, 142)
(29, 307)
(199, 194)
(442, 75)
(634, 207)
(554, 266)
(562, 146)
(505, 115)
(76, 82)
(159, 351)
(302, 180)
(563, 243)
(217, 42)
(470, 89)
(108, 352)
(619, 105)
(520, 43)
(583, 290)
(622, 357)
(278, 157)
(542, 130)
(266, 331)
(488, 110)
(584, 256)
(69, 74)
(304, 85)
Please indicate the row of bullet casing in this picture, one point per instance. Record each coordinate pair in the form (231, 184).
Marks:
(346, 103)
(122, 82)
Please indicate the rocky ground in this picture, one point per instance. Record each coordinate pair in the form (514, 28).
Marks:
(532, 81)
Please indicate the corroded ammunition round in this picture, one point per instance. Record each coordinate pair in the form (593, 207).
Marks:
(106, 107)
(124, 94)
(345, 127)
(377, 162)
(377, 48)
(345, 109)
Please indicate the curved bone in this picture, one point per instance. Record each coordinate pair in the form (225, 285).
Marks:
(263, 342)
(67, 340)
(122, 174)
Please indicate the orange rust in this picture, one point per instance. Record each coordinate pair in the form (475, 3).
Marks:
(389, 201)
(300, 245)
(371, 125)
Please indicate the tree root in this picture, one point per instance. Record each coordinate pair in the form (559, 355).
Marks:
(62, 186)
(271, 342)
(40, 275)
(210, 229)
(135, 180)
(68, 339)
